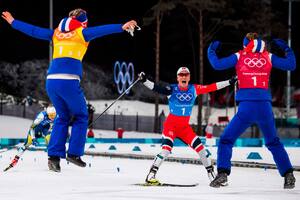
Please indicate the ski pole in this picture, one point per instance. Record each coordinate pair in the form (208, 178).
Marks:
(137, 80)
(16, 158)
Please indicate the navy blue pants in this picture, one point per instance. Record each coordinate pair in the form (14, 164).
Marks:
(250, 112)
(68, 100)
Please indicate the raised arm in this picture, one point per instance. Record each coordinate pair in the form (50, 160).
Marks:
(203, 89)
(220, 63)
(286, 63)
(28, 29)
(99, 31)
(167, 90)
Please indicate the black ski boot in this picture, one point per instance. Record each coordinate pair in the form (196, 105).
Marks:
(150, 179)
(220, 180)
(53, 163)
(210, 172)
(76, 160)
(289, 181)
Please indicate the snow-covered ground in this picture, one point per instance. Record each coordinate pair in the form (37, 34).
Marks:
(113, 178)
(239, 153)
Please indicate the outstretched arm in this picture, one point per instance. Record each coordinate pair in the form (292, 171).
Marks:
(167, 90)
(202, 89)
(286, 63)
(99, 31)
(28, 29)
(38, 120)
(220, 63)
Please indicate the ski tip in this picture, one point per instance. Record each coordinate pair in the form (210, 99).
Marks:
(166, 185)
(5, 169)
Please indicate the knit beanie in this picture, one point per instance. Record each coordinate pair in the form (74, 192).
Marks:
(253, 43)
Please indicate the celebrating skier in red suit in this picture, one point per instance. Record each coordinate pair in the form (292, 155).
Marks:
(181, 98)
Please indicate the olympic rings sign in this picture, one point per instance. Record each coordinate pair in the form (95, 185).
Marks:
(123, 75)
(255, 62)
(184, 96)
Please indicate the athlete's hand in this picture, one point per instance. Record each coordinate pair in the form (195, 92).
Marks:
(142, 77)
(35, 142)
(214, 45)
(8, 17)
(233, 80)
(281, 44)
(130, 27)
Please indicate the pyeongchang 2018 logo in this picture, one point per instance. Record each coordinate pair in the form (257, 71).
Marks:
(123, 75)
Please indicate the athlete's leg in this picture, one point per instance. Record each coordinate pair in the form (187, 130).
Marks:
(240, 122)
(235, 128)
(56, 147)
(74, 98)
(189, 137)
(29, 138)
(46, 134)
(267, 125)
(33, 135)
(167, 145)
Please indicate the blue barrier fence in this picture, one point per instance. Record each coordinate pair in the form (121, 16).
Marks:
(241, 142)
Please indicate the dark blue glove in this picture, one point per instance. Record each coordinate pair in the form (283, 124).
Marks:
(281, 44)
(233, 80)
(214, 45)
(35, 142)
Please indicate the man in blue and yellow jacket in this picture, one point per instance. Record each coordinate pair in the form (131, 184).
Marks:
(70, 41)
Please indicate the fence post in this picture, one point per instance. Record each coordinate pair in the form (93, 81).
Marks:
(1, 107)
(114, 120)
(24, 110)
(137, 122)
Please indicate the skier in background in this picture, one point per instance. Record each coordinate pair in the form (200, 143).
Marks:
(181, 98)
(70, 40)
(253, 66)
(41, 127)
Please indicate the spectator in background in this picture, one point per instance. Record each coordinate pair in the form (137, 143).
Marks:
(91, 111)
(162, 118)
(29, 100)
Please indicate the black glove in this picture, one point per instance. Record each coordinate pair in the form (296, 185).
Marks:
(233, 80)
(142, 77)
(281, 44)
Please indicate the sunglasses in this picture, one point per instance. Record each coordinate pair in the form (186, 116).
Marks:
(183, 74)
